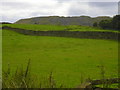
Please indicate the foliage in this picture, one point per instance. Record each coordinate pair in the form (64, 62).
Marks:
(95, 24)
(111, 24)
(105, 24)
(116, 22)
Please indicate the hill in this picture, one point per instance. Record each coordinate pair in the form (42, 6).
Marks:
(56, 20)
(5, 23)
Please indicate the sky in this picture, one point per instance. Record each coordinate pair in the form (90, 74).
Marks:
(13, 10)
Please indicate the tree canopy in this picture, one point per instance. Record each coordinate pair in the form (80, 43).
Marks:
(113, 23)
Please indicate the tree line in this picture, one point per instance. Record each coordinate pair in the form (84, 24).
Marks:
(113, 23)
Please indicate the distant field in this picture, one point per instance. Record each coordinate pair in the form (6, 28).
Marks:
(56, 27)
(67, 58)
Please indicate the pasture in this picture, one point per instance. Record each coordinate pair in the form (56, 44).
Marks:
(69, 59)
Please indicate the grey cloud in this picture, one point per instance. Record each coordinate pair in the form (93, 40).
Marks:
(119, 8)
(78, 9)
(5, 18)
(103, 4)
(109, 8)
(95, 9)
(62, 1)
(36, 14)
(76, 12)
(71, 0)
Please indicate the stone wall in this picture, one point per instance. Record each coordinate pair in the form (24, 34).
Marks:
(74, 34)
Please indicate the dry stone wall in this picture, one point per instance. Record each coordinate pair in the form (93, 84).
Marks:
(74, 34)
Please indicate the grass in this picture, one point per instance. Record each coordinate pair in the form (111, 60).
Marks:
(67, 58)
(0, 25)
(22, 78)
(0, 57)
(36, 27)
(56, 27)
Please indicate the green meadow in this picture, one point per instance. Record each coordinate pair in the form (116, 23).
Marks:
(69, 59)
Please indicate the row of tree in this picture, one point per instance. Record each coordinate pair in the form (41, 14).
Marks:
(113, 23)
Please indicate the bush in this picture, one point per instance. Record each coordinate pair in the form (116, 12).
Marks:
(106, 24)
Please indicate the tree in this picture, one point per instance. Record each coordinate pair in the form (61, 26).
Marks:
(106, 24)
(95, 24)
(113, 23)
(116, 22)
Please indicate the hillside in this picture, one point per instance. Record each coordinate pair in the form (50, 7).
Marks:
(56, 20)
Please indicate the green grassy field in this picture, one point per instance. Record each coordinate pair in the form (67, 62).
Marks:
(67, 58)
(0, 56)
(56, 27)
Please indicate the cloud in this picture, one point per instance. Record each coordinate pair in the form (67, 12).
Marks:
(103, 4)
(94, 8)
(15, 5)
(103, 8)
(12, 10)
(78, 8)
(88, 0)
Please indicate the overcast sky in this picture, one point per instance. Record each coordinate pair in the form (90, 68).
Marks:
(13, 10)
